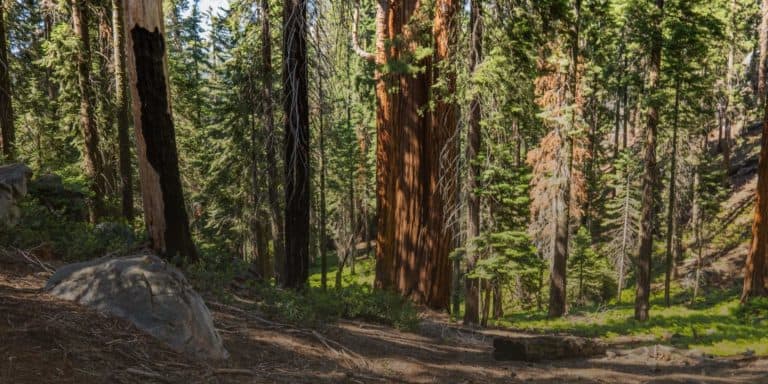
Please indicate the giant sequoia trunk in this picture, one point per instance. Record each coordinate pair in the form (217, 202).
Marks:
(121, 104)
(164, 211)
(472, 285)
(296, 108)
(756, 267)
(7, 131)
(650, 176)
(92, 156)
(415, 182)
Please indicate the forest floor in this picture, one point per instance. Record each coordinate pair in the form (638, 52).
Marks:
(46, 340)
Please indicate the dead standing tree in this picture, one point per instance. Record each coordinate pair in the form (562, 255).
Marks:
(164, 211)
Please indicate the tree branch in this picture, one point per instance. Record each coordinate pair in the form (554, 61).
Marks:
(365, 55)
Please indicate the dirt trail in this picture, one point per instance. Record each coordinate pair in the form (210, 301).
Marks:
(45, 340)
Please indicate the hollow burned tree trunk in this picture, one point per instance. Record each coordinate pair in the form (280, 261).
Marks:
(164, 211)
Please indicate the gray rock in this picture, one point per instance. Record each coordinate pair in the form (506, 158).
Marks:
(13, 187)
(153, 295)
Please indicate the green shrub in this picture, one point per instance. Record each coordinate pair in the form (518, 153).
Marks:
(753, 311)
(69, 240)
(316, 307)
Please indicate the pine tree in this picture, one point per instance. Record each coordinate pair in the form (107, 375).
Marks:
(94, 163)
(7, 130)
(297, 166)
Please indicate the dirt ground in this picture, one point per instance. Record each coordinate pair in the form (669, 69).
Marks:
(46, 340)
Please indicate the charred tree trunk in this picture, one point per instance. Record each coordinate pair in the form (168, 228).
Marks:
(672, 196)
(275, 214)
(121, 104)
(415, 187)
(471, 289)
(164, 211)
(7, 130)
(650, 176)
(756, 267)
(93, 160)
(296, 109)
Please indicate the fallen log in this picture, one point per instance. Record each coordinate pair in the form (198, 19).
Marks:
(536, 348)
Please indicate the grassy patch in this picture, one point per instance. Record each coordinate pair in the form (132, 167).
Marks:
(711, 325)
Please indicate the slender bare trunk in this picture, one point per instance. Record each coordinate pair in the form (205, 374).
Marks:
(273, 181)
(624, 239)
(650, 176)
(697, 223)
(471, 289)
(91, 154)
(121, 104)
(672, 196)
(7, 130)
(321, 139)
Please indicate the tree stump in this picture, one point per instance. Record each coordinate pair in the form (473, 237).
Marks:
(538, 348)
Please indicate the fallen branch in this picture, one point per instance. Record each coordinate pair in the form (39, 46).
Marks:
(28, 257)
(150, 375)
(233, 371)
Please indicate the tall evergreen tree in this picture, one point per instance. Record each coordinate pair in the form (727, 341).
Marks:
(94, 163)
(7, 130)
(650, 173)
(297, 166)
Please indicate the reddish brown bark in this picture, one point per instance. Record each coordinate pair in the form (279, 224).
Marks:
(756, 267)
(414, 187)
